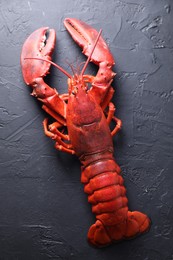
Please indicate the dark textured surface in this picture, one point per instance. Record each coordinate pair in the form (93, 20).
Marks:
(44, 212)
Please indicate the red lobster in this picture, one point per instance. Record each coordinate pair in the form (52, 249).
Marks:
(86, 113)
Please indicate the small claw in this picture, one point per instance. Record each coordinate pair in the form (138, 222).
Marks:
(84, 35)
(39, 44)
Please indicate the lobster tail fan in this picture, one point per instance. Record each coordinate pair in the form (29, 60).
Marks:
(135, 224)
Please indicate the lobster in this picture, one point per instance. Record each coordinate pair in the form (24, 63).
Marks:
(81, 126)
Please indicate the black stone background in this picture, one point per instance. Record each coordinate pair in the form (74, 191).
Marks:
(44, 212)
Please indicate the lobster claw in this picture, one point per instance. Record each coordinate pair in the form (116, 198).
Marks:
(39, 44)
(84, 35)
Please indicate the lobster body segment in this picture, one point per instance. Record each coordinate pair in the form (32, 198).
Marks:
(81, 127)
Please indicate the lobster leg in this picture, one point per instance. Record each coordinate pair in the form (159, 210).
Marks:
(117, 127)
(85, 36)
(53, 130)
(40, 44)
(110, 117)
(56, 135)
(110, 112)
(108, 98)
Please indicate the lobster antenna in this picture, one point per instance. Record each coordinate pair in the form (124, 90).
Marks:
(71, 66)
(89, 57)
(51, 62)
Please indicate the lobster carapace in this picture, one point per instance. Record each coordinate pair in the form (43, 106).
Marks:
(85, 113)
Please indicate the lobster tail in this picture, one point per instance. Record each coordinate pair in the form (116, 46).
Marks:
(107, 194)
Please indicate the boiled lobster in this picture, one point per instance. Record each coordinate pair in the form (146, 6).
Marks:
(82, 126)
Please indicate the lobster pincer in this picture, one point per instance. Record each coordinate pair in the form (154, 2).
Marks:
(84, 35)
(40, 44)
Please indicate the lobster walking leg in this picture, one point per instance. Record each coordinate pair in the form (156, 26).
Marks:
(56, 135)
(117, 126)
(53, 131)
(110, 117)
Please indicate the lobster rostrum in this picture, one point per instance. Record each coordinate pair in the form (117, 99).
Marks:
(81, 126)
